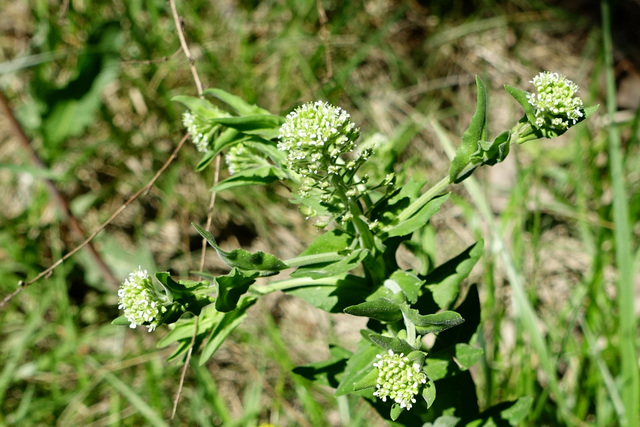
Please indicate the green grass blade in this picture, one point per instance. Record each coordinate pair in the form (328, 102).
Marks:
(628, 335)
(522, 307)
(132, 396)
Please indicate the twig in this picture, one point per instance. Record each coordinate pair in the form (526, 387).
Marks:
(87, 241)
(212, 203)
(324, 33)
(196, 78)
(57, 196)
(185, 47)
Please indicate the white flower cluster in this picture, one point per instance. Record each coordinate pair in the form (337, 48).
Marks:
(314, 136)
(556, 104)
(398, 379)
(199, 129)
(140, 300)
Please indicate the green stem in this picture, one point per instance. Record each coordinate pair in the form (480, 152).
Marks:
(364, 233)
(523, 132)
(296, 282)
(423, 199)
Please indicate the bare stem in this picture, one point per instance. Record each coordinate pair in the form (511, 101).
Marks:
(185, 47)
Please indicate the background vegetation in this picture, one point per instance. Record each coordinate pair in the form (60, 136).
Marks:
(91, 83)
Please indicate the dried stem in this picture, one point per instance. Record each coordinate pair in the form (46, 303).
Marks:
(185, 47)
(196, 78)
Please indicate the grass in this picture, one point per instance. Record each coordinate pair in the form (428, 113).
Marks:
(557, 281)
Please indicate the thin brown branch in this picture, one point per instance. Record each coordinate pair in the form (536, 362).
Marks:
(87, 241)
(324, 33)
(183, 375)
(55, 194)
(212, 203)
(185, 47)
(196, 78)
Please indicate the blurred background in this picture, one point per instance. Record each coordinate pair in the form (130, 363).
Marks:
(90, 83)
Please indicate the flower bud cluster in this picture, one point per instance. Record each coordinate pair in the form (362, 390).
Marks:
(241, 157)
(556, 105)
(141, 302)
(199, 129)
(398, 379)
(314, 136)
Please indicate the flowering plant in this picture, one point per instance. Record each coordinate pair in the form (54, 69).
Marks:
(368, 213)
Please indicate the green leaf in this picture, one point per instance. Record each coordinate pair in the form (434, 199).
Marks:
(490, 153)
(429, 393)
(395, 412)
(521, 97)
(181, 286)
(367, 381)
(467, 356)
(409, 283)
(231, 288)
(257, 176)
(244, 260)
(226, 138)
(224, 327)
(418, 219)
(121, 321)
(382, 309)
(387, 209)
(201, 107)
(345, 264)
(331, 294)
(432, 323)
(358, 366)
(472, 136)
(589, 111)
(444, 281)
(437, 366)
(240, 105)
(396, 344)
(253, 124)
(331, 241)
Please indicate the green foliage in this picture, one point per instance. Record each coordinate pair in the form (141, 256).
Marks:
(352, 268)
(78, 113)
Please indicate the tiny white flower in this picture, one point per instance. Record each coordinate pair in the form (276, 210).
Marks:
(556, 105)
(398, 379)
(198, 129)
(141, 302)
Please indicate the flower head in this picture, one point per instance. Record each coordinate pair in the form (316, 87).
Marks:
(141, 301)
(199, 129)
(556, 105)
(314, 136)
(398, 379)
